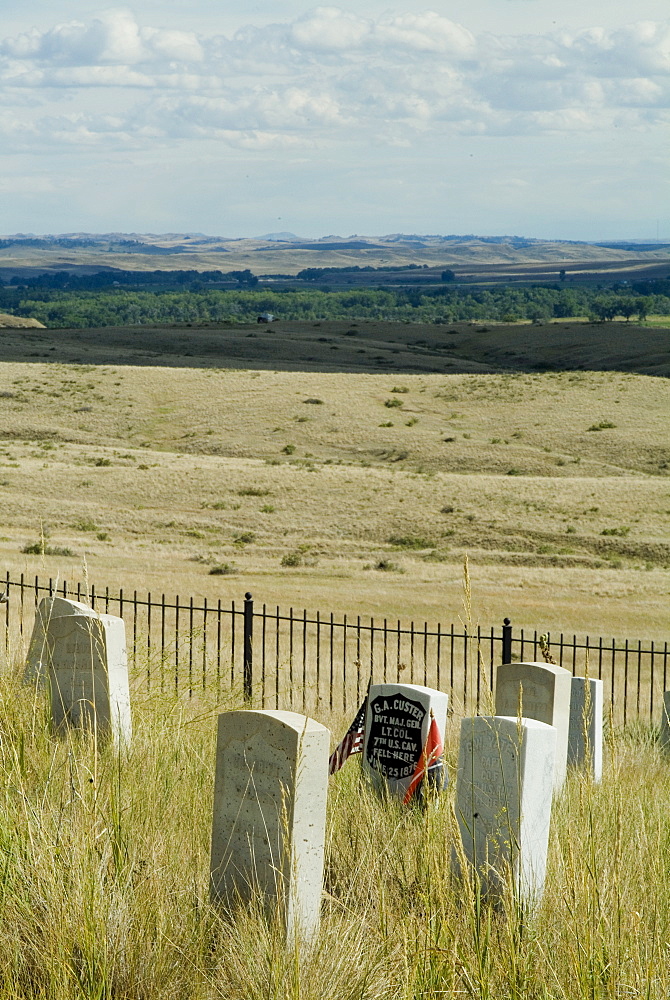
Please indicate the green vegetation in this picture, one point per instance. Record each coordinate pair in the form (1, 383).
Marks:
(299, 557)
(222, 569)
(64, 307)
(604, 425)
(410, 542)
(41, 548)
(388, 566)
(244, 538)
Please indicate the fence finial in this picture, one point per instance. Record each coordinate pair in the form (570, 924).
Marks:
(507, 641)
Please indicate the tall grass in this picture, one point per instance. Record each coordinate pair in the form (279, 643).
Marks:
(104, 863)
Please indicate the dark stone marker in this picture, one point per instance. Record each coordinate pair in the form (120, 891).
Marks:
(396, 729)
(394, 743)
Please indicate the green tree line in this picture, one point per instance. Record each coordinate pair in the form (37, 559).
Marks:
(122, 307)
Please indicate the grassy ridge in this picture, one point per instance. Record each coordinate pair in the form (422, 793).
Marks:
(155, 456)
(105, 881)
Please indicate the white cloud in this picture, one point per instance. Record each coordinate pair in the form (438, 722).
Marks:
(427, 32)
(331, 76)
(328, 29)
(180, 46)
(113, 37)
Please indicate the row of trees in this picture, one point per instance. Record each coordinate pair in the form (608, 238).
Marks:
(120, 307)
(115, 277)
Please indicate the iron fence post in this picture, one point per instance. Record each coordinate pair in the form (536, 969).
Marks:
(507, 641)
(248, 646)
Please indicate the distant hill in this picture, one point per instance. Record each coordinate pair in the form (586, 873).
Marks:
(286, 253)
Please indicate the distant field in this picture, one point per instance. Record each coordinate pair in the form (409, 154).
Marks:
(305, 457)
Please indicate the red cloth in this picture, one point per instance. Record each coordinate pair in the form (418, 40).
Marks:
(432, 751)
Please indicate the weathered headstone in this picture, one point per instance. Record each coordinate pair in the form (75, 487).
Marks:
(396, 727)
(585, 741)
(83, 656)
(545, 690)
(665, 722)
(503, 802)
(37, 671)
(269, 822)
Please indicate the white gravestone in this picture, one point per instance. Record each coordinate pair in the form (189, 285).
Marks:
(49, 607)
(268, 830)
(503, 802)
(665, 723)
(396, 728)
(83, 656)
(545, 691)
(585, 741)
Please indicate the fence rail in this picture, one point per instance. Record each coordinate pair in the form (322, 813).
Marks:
(292, 660)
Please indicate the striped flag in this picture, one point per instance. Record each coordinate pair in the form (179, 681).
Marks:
(352, 741)
(432, 751)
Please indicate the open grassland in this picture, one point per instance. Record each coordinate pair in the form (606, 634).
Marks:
(515, 258)
(319, 473)
(105, 881)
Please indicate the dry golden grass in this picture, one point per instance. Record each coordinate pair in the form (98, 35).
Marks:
(105, 881)
(156, 473)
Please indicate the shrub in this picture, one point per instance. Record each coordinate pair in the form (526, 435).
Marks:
(254, 491)
(222, 569)
(617, 532)
(244, 538)
(292, 559)
(102, 462)
(299, 557)
(387, 566)
(85, 524)
(391, 403)
(410, 542)
(314, 401)
(288, 449)
(399, 388)
(41, 549)
(604, 425)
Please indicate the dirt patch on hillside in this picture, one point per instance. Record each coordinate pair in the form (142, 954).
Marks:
(11, 322)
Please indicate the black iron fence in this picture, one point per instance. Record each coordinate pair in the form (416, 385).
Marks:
(294, 660)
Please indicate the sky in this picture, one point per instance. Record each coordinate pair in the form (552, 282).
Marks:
(536, 118)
